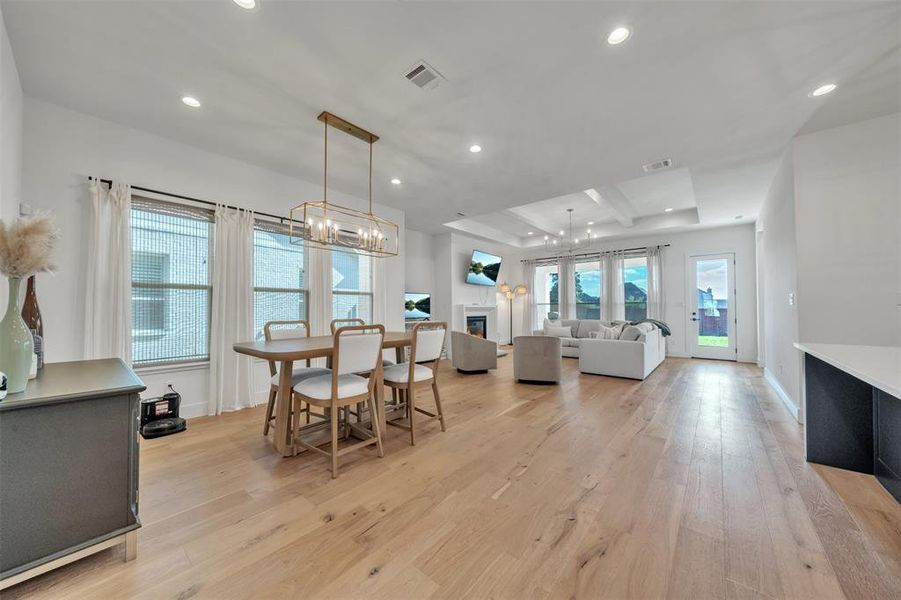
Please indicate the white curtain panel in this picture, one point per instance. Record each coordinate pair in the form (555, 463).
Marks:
(614, 293)
(107, 317)
(656, 297)
(530, 311)
(566, 288)
(319, 284)
(231, 374)
(379, 291)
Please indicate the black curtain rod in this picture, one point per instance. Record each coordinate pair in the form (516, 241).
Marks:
(109, 182)
(588, 254)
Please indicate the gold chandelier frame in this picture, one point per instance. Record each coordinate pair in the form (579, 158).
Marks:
(329, 226)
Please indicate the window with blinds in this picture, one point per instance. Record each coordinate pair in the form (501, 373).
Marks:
(351, 286)
(279, 282)
(170, 282)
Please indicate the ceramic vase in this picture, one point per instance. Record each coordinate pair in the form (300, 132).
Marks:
(16, 344)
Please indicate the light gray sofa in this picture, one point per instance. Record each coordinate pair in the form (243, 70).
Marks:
(635, 359)
(471, 354)
(537, 358)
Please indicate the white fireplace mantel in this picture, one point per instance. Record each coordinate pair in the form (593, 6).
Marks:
(478, 310)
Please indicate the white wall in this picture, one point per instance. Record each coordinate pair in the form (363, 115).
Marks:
(63, 147)
(465, 293)
(848, 214)
(739, 240)
(419, 263)
(778, 271)
(451, 253)
(10, 138)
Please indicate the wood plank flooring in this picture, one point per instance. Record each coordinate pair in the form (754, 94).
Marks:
(691, 484)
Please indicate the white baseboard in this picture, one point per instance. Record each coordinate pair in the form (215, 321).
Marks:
(199, 409)
(786, 400)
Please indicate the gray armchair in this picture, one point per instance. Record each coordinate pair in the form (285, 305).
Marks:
(537, 358)
(471, 354)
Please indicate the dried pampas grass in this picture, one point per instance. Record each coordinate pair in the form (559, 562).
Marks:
(26, 246)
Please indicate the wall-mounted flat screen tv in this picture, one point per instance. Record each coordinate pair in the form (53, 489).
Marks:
(483, 268)
(417, 307)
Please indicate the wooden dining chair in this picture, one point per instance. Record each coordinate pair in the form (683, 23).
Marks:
(421, 370)
(357, 348)
(287, 330)
(386, 362)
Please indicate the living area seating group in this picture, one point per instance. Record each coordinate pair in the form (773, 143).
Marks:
(611, 348)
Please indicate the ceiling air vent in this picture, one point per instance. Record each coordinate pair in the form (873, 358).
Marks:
(424, 75)
(659, 165)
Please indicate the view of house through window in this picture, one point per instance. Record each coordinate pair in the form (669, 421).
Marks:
(635, 287)
(171, 292)
(279, 290)
(351, 286)
(547, 296)
(588, 286)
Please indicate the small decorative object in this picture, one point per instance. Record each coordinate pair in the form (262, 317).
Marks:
(26, 248)
(31, 314)
(2, 385)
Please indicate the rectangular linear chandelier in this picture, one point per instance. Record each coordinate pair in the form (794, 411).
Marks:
(329, 226)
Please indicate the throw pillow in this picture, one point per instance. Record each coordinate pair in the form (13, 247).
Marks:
(552, 323)
(608, 333)
(560, 332)
(630, 333)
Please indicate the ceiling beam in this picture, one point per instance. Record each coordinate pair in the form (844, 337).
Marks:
(616, 202)
(536, 227)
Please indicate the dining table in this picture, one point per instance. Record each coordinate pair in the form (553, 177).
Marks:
(286, 351)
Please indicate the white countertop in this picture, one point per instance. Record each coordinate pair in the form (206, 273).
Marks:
(880, 366)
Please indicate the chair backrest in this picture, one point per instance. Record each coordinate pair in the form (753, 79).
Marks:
(428, 341)
(358, 349)
(338, 323)
(285, 330)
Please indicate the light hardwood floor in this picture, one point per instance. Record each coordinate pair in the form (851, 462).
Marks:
(691, 484)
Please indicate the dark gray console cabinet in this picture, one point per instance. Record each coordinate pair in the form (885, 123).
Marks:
(68, 467)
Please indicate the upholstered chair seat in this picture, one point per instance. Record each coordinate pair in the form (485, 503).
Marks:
(299, 374)
(401, 373)
(320, 388)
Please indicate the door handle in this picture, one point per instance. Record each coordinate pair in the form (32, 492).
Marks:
(695, 319)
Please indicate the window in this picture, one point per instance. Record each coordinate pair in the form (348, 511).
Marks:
(635, 287)
(351, 286)
(279, 282)
(547, 296)
(170, 282)
(588, 285)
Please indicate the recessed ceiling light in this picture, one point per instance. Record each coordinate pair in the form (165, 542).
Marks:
(191, 101)
(395, 181)
(823, 90)
(531, 233)
(667, 210)
(475, 148)
(562, 232)
(591, 222)
(246, 4)
(618, 36)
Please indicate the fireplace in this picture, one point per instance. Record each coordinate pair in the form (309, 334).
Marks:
(477, 326)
